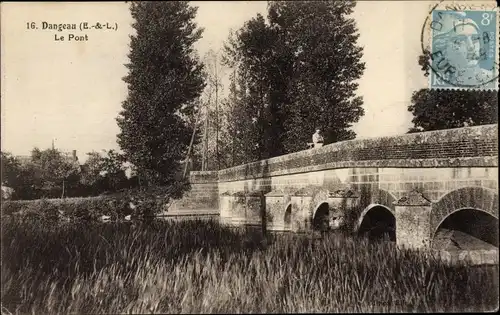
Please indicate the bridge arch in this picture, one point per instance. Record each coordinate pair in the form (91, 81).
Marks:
(478, 198)
(370, 194)
(321, 216)
(466, 229)
(287, 219)
(376, 221)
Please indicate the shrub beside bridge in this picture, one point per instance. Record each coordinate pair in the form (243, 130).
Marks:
(115, 206)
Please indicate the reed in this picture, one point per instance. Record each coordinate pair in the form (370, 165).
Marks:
(203, 267)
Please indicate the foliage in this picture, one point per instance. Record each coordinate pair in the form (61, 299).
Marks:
(164, 82)
(48, 172)
(444, 109)
(240, 135)
(92, 168)
(202, 267)
(147, 202)
(326, 64)
(10, 207)
(104, 173)
(55, 210)
(251, 51)
(21, 177)
(43, 175)
(10, 170)
(55, 168)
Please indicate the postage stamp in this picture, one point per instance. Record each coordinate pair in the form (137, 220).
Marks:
(463, 47)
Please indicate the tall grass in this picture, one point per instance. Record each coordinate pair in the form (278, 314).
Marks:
(202, 267)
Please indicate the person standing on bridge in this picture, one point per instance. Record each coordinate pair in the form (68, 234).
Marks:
(317, 138)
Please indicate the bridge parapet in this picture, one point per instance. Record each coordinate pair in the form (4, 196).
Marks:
(471, 146)
(203, 177)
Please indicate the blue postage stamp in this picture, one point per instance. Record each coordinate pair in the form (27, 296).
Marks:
(464, 49)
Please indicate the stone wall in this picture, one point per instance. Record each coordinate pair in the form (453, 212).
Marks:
(451, 169)
(381, 170)
(202, 197)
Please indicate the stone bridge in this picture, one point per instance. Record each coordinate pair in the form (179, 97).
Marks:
(415, 187)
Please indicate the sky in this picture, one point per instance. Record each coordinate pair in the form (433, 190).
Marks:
(72, 91)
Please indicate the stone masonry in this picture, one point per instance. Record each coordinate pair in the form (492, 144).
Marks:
(421, 178)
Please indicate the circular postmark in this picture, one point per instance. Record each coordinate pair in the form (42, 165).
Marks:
(461, 43)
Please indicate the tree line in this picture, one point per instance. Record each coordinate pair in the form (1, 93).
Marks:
(52, 174)
(296, 70)
(291, 72)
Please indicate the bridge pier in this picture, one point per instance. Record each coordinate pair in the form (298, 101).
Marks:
(343, 203)
(305, 203)
(310, 206)
(413, 221)
(278, 204)
(301, 213)
(233, 208)
(253, 207)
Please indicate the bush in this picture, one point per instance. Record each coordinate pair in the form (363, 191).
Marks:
(12, 206)
(146, 203)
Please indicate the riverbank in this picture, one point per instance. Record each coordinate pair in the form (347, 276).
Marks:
(203, 267)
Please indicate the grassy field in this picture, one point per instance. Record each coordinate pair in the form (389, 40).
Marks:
(201, 267)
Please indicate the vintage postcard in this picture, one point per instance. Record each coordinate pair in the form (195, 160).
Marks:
(249, 157)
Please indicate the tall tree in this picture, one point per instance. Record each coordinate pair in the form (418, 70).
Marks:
(301, 69)
(208, 151)
(252, 51)
(164, 81)
(321, 40)
(114, 170)
(240, 135)
(445, 109)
